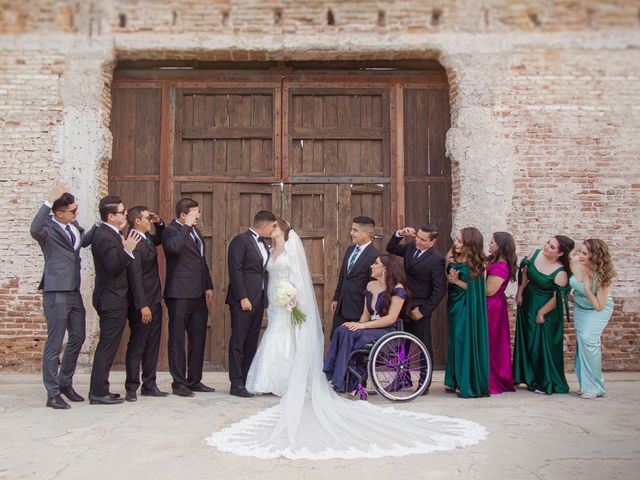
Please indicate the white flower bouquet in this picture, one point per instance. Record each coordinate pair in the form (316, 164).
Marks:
(286, 297)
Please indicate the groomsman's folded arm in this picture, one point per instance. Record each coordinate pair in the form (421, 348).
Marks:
(37, 230)
(87, 239)
(395, 247)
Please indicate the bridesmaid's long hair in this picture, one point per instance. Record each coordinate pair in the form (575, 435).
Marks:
(565, 245)
(600, 262)
(472, 251)
(394, 275)
(506, 251)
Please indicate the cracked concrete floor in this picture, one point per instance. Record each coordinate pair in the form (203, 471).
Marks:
(530, 436)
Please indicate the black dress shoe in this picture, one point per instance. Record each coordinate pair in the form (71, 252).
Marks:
(131, 396)
(71, 394)
(114, 395)
(57, 403)
(201, 387)
(426, 392)
(182, 391)
(153, 392)
(106, 400)
(240, 392)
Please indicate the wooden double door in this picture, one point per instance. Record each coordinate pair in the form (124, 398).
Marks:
(316, 148)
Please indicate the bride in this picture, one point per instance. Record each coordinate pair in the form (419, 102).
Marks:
(269, 371)
(311, 421)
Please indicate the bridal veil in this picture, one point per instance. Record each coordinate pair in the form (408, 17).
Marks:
(312, 422)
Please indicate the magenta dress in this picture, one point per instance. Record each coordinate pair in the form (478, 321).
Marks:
(500, 372)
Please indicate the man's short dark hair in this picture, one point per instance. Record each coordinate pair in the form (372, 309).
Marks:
(364, 221)
(262, 217)
(184, 205)
(63, 202)
(135, 212)
(108, 204)
(431, 229)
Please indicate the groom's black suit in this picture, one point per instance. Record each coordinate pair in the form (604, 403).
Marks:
(248, 278)
(351, 284)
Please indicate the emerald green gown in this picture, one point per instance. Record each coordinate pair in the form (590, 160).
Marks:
(468, 346)
(538, 358)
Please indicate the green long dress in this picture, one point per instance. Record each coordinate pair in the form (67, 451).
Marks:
(538, 358)
(468, 346)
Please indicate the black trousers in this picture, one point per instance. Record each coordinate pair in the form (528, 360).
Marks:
(143, 347)
(188, 315)
(64, 312)
(245, 331)
(112, 324)
(421, 329)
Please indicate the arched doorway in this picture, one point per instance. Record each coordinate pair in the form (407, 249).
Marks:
(317, 143)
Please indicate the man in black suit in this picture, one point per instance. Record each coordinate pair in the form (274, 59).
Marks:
(145, 309)
(187, 292)
(112, 253)
(60, 238)
(355, 273)
(424, 267)
(247, 297)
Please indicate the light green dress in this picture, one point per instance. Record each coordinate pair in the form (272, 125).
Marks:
(538, 357)
(589, 325)
(468, 345)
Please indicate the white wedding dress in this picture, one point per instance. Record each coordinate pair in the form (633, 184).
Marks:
(312, 422)
(271, 366)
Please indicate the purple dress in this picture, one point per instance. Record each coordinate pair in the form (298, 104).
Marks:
(344, 341)
(500, 372)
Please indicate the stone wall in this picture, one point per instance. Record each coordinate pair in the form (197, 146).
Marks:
(545, 119)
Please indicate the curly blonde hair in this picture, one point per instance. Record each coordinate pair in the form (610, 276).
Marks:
(600, 262)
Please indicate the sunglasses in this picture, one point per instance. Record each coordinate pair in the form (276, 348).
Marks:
(74, 211)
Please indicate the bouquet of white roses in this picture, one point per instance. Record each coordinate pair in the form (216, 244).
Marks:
(286, 297)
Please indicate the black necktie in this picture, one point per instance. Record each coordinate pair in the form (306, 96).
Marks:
(73, 237)
(196, 239)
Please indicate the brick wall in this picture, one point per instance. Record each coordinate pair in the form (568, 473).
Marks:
(545, 118)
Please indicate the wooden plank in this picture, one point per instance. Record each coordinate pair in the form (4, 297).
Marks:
(342, 133)
(220, 133)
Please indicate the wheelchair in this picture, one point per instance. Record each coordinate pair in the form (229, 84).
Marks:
(398, 366)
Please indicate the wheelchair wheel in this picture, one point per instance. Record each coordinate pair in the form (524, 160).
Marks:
(399, 367)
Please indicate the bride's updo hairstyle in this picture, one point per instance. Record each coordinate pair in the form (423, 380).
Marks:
(285, 227)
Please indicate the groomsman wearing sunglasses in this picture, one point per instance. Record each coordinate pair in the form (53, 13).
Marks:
(60, 237)
(112, 253)
(145, 308)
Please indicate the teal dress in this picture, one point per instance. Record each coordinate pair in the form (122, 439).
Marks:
(589, 325)
(468, 346)
(538, 357)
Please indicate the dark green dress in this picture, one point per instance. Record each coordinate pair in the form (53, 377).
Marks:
(538, 358)
(468, 346)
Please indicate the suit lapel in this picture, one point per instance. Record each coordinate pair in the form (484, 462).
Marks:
(62, 234)
(254, 242)
(422, 257)
(360, 257)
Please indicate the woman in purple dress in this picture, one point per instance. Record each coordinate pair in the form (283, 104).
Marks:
(384, 304)
(501, 270)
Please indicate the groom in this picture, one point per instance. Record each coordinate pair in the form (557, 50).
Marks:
(247, 297)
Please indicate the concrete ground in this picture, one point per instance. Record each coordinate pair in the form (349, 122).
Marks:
(531, 436)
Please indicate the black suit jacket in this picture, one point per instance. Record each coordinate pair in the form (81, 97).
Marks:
(187, 272)
(425, 275)
(248, 277)
(349, 292)
(144, 279)
(111, 291)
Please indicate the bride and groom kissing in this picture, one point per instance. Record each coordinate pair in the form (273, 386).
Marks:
(255, 270)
